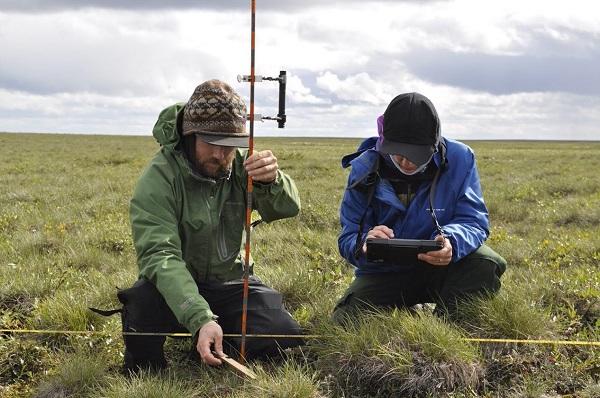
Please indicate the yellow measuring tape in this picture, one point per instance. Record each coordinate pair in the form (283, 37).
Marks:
(293, 336)
(524, 341)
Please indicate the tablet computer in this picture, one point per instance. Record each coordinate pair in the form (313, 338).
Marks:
(399, 251)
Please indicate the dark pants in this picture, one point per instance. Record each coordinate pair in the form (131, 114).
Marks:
(476, 274)
(145, 310)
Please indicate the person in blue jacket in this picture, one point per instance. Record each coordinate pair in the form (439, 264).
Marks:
(412, 183)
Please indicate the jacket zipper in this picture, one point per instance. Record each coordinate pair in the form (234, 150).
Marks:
(218, 232)
(210, 241)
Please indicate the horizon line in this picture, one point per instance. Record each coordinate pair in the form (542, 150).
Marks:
(300, 136)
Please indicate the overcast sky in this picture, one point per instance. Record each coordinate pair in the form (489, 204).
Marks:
(494, 69)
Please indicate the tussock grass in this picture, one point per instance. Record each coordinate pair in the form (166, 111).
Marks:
(22, 287)
(79, 375)
(64, 311)
(388, 353)
(287, 380)
(579, 213)
(146, 385)
(509, 314)
(85, 257)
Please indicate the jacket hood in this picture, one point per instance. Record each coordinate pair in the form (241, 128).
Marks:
(366, 144)
(165, 130)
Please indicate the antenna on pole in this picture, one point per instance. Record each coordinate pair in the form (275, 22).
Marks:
(282, 80)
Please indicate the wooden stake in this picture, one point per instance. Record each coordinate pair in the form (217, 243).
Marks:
(241, 369)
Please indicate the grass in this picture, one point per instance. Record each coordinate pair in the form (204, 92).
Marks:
(150, 386)
(288, 380)
(508, 315)
(81, 374)
(384, 353)
(65, 245)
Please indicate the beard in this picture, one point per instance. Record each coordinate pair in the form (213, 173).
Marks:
(214, 169)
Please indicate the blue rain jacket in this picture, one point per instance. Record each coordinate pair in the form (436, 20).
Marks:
(458, 203)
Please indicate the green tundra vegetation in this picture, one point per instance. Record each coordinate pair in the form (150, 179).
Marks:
(65, 245)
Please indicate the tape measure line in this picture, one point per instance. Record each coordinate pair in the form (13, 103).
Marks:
(524, 341)
(292, 336)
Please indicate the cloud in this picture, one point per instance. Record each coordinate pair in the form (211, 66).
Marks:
(299, 94)
(78, 113)
(113, 54)
(39, 6)
(555, 116)
(506, 74)
(356, 88)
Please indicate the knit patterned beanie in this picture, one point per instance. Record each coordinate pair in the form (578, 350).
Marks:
(216, 114)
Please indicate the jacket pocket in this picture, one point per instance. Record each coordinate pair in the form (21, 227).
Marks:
(229, 231)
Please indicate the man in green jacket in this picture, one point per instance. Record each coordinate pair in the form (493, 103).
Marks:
(187, 216)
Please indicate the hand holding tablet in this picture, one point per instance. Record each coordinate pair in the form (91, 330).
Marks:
(382, 248)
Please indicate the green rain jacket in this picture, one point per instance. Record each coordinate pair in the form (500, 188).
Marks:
(188, 229)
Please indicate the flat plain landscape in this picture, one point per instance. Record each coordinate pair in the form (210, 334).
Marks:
(65, 245)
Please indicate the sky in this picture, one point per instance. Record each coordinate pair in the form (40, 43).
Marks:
(493, 69)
